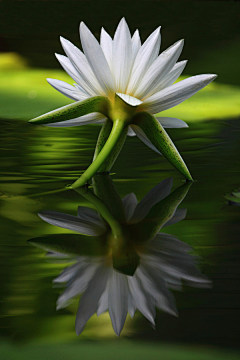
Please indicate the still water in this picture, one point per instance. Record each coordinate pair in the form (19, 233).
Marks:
(195, 264)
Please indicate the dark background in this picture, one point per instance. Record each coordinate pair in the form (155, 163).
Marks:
(210, 29)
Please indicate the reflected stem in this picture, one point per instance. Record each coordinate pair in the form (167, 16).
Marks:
(103, 210)
(49, 192)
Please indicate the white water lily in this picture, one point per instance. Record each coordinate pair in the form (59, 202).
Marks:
(137, 73)
(125, 83)
(164, 263)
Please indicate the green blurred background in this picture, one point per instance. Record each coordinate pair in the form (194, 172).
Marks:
(36, 159)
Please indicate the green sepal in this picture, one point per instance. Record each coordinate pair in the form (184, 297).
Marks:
(98, 104)
(159, 214)
(102, 139)
(160, 139)
(74, 244)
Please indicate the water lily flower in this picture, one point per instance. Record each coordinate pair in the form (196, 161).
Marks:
(123, 83)
(164, 261)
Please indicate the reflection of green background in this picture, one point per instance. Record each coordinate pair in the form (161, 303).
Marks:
(36, 159)
(114, 350)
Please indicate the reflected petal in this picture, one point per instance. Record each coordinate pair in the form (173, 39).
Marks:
(144, 303)
(89, 300)
(157, 287)
(158, 193)
(66, 221)
(129, 202)
(118, 300)
(131, 306)
(78, 283)
(179, 215)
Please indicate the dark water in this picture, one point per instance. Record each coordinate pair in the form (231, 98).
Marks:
(38, 159)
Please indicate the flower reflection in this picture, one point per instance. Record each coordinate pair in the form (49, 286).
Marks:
(164, 261)
(164, 265)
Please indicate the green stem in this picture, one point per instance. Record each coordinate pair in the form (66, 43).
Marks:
(117, 129)
(103, 136)
(103, 210)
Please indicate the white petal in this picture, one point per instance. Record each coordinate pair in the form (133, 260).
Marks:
(122, 56)
(178, 265)
(106, 45)
(78, 284)
(156, 194)
(118, 300)
(130, 100)
(168, 122)
(173, 75)
(71, 222)
(89, 301)
(145, 57)
(83, 120)
(142, 136)
(129, 202)
(79, 61)
(179, 215)
(151, 82)
(70, 69)
(177, 93)
(130, 132)
(136, 44)
(67, 90)
(96, 60)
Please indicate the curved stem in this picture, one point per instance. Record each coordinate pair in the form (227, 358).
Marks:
(117, 129)
(103, 210)
(102, 139)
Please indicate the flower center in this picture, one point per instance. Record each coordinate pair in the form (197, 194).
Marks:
(123, 107)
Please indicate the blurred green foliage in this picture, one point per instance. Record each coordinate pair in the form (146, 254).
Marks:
(25, 94)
